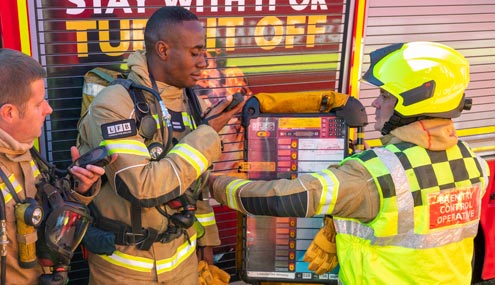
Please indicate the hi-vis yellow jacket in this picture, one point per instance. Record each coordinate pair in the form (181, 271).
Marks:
(135, 180)
(405, 213)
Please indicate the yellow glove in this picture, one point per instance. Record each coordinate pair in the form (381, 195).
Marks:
(322, 253)
(211, 274)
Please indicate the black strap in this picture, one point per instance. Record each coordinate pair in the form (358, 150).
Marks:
(397, 120)
(136, 217)
(136, 90)
(143, 239)
(140, 105)
(46, 168)
(195, 106)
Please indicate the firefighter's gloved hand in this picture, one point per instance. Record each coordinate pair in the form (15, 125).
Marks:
(322, 253)
(99, 241)
(211, 274)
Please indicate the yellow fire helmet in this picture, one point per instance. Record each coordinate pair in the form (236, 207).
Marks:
(428, 79)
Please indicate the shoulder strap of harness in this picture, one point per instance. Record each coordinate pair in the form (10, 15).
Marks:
(140, 105)
(195, 106)
(135, 234)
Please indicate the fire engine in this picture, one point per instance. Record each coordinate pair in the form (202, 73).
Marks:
(260, 46)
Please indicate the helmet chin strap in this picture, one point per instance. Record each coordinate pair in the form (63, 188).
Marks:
(398, 121)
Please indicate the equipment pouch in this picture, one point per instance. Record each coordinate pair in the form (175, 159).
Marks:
(99, 241)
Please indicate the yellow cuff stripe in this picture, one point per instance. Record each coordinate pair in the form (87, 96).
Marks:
(192, 156)
(126, 147)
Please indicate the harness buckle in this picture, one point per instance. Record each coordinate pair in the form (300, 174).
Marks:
(130, 238)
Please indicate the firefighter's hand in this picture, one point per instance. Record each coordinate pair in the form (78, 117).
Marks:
(211, 274)
(322, 253)
(84, 178)
(217, 117)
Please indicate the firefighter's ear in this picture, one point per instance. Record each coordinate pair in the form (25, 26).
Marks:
(8, 112)
(161, 48)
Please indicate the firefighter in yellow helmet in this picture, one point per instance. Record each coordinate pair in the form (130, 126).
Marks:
(406, 212)
(427, 79)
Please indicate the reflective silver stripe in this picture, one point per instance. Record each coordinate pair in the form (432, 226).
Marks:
(126, 147)
(135, 263)
(92, 89)
(404, 199)
(207, 219)
(192, 156)
(143, 264)
(7, 196)
(34, 168)
(183, 252)
(329, 189)
(187, 120)
(231, 192)
(434, 239)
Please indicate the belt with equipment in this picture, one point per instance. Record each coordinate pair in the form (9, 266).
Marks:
(143, 238)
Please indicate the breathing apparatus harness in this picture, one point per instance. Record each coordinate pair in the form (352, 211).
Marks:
(143, 238)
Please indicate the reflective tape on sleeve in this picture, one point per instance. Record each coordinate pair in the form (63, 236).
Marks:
(231, 192)
(126, 147)
(207, 219)
(192, 156)
(329, 191)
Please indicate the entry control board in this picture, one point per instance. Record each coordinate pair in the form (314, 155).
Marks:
(285, 146)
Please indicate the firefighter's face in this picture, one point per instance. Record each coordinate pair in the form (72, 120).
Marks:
(186, 55)
(384, 105)
(27, 122)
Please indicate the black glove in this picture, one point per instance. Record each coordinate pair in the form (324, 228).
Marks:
(99, 241)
